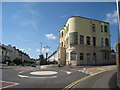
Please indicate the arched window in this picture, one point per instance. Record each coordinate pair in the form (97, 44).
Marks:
(106, 42)
(73, 55)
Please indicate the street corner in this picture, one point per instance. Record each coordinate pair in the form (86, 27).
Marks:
(7, 84)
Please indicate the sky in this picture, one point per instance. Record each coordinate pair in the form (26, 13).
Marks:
(27, 24)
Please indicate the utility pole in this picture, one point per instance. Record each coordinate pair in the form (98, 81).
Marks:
(45, 48)
(40, 53)
(118, 45)
(40, 48)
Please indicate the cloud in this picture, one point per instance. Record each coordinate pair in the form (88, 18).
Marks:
(50, 36)
(46, 50)
(112, 17)
(63, 16)
(38, 50)
(25, 49)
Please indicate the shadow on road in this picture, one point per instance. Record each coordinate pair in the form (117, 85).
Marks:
(113, 82)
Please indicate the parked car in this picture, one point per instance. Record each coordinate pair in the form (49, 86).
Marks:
(33, 65)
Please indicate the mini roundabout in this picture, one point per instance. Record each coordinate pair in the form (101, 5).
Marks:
(38, 74)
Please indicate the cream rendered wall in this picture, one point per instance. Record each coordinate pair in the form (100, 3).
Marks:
(84, 27)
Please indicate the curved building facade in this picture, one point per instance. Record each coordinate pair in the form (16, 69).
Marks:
(85, 41)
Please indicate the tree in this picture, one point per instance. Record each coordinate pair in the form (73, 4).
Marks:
(17, 61)
(112, 50)
(43, 61)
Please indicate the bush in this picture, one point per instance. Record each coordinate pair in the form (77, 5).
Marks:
(17, 61)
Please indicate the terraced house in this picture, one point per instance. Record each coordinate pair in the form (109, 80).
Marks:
(85, 41)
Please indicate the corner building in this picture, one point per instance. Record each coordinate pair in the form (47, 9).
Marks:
(85, 41)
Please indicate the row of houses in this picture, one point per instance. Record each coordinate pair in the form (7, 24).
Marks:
(9, 53)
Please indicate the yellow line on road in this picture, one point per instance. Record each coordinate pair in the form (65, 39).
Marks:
(76, 82)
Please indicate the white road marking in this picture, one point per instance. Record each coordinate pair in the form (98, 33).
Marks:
(83, 68)
(9, 85)
(22, 76)
(68, 72)
(21, 71)
(44, 73)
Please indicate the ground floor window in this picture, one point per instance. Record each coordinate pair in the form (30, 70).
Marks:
(81, 56)
(73, 55)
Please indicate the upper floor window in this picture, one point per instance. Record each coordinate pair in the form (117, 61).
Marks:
(101, 28)
(102, 42)
(62, 34)
(81, 56)
(61, 44)
(73, 38)
(88, 40)
(81, 39)
(106, 42)
(73, 55)
(93, 27)
(94, 41)
(105, 28)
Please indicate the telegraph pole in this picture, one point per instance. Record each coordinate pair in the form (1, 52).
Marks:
(40, 48)
(46, 47)
(118, 45)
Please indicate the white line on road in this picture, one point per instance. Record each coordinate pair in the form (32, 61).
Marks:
(68, 72)
(14, 84)
(23, 76)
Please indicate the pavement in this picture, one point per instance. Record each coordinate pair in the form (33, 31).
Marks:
(52, 76)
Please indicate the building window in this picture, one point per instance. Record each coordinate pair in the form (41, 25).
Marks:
(105, 28)
(105, 56)
(88, 40)
(106, 42)
(81, 56)
(61, 44)
(101, 28)
(93, 27)
(94, 41)
(102, 42)
(73, 55)
(81, 39)
(73, 38)
(62, 34)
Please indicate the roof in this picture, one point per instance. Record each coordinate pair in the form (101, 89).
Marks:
(85, 18)
(89, 19)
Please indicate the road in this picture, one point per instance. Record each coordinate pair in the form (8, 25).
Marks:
(57, 77)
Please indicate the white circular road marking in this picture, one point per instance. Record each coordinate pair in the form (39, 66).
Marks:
(43, 73)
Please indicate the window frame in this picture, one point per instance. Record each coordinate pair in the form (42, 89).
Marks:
(88, 40)
(81, 39)
(81, 56)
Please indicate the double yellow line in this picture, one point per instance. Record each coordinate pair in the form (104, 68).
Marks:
(76, 82)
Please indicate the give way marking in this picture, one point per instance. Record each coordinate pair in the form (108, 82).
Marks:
(6, 84)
